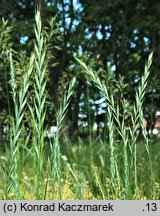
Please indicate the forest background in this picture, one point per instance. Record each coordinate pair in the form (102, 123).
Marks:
(114, 37)
(90, 70)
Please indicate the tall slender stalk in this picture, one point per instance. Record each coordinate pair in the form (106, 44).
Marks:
(20, 102)
(137, 118)
(110, 101)
(112, 149)
(55, 147)
(38, 108)
(139, 106)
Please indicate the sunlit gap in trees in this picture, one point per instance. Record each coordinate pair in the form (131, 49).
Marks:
(99, 108)
(76, 7)
(89, 34)
(133, 42)
(23, 39)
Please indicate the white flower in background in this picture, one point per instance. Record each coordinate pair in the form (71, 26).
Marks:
(51, 132)
(64, 157)
(155, 131)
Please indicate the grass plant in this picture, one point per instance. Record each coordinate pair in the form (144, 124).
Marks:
(12, 171)
(55, 157)
(88, 169)
(38, 107)
(115, 121)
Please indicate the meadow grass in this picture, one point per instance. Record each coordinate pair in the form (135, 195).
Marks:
(35, 103)
(120, 167)
(82, 180)
(116, 122)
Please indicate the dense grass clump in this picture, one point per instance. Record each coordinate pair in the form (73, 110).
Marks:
(32, 167)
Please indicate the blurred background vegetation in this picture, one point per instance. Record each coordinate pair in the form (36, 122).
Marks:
(113, 37)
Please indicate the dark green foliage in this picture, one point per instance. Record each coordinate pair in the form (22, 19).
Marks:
(113, 36)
